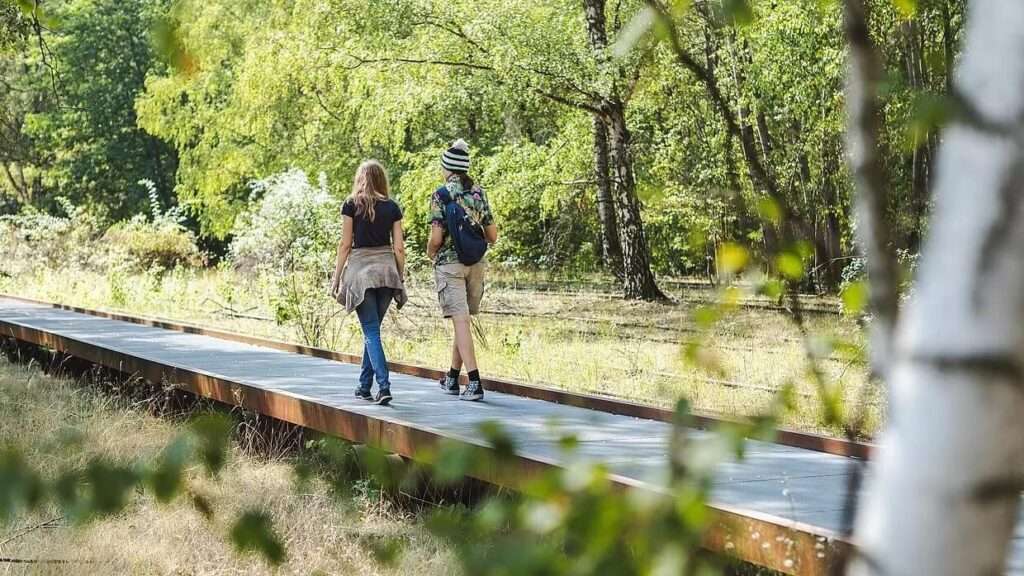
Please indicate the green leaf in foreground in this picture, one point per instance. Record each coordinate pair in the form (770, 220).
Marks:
(254, 532)
(790, 265)
(19, 485)
(166, 478)
(855, 298)
(213, 431)
(732, 258)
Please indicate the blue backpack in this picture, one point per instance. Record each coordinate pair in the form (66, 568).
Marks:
(467, 236)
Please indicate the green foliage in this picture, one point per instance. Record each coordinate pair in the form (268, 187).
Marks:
(254, 532)
(15, 26)
(102, 487)
(77, 135)
(35, 239)
(20, 486)
(161, 242)
(243, 91)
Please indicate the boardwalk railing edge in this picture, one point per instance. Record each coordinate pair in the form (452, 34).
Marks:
(611, 405)
(783, 545)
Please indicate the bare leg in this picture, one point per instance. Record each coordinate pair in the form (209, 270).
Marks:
(464, 343)
(456, 357)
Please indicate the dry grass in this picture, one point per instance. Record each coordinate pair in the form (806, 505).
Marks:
(57, 423)
(581, 341)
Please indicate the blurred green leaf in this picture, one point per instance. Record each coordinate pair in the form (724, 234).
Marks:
(908, 8)
(768, 209)
(683, 413)
(831, 398)
(739, 12)
(691, 506)
(790, 265)
(20, 486)
(634, 32)
(732, 258)
(929, 113)
(855, 298)
(213, 432)
(166, 477)
(108, 486)
(254, 532)
(772, 288)
(569, 442)
(503, 444)
(453, 462)
(166, 39)
(707, 316)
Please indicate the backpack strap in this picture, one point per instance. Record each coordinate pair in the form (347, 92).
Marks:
(444, 196)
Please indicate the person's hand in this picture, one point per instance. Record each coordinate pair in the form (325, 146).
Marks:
(335, 285)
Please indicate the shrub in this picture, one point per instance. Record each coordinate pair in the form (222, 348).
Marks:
(161, 242)
(293, 226)
(35, 239)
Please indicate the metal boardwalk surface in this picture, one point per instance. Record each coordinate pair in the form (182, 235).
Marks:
(792, 496)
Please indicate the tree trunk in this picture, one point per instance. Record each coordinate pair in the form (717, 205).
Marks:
(921, 158)
(638, 280)
(946, 482)
(611, 251)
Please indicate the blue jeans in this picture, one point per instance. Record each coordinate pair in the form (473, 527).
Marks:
(371, 313)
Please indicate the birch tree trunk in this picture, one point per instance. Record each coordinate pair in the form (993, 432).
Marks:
(611, 249)
(946, 483)
(620, 218)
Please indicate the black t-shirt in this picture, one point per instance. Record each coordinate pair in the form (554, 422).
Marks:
(366, 234)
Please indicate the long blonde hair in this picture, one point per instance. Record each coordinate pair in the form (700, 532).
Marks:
(369, 186)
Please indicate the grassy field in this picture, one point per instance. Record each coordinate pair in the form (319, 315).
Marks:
(575, 336)
(38, 414)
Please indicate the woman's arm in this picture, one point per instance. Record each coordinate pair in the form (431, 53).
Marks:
(398, 240)
(491, 233)
(344, 250)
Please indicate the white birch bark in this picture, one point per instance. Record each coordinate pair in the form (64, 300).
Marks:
(944, 487)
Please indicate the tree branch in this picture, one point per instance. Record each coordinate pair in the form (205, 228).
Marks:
(757, 169)
(872, 182)
(435, 62)
(458, 32)
(554, 97)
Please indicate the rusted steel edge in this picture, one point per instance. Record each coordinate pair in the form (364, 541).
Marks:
(805, 440)
(783, 545)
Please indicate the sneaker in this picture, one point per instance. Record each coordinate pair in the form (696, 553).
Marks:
(450, 385)
(383, 397)
(364, 394)
(474, 391)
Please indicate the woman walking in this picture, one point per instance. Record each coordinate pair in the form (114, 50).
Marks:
(369, 271)
(459, 277)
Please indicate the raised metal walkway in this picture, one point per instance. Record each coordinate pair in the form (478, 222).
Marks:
(780, 507)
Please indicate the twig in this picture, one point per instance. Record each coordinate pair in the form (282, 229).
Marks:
(30, 529)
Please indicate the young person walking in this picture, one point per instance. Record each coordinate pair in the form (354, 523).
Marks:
(369, 271)
(457, 209)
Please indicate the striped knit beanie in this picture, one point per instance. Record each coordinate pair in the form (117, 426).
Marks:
(456, 158)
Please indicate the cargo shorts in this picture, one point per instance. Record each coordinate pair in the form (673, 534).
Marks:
(460, 288)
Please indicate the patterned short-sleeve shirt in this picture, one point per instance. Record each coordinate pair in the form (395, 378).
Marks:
(473, 201)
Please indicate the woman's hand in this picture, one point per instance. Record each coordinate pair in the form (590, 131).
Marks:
(335, 285)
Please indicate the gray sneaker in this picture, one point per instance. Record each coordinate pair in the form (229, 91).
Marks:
(450, 385)
(474, 391)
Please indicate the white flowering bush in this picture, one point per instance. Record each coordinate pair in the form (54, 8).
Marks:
(35, 239)
(293, 226)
